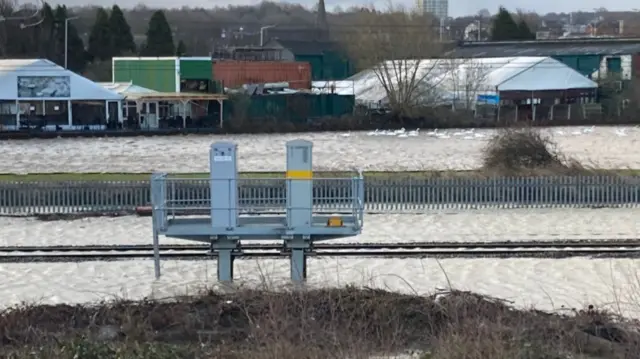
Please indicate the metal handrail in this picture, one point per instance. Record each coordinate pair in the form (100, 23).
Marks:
(166, 204)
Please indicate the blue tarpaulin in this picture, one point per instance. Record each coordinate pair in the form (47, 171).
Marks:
(488, 99)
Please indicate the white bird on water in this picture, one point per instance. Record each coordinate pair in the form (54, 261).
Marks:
(415, 132)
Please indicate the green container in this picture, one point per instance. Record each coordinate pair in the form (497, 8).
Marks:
(342, 105)
(156, 74)
(297, 108)
(196, 68)
(163, 73)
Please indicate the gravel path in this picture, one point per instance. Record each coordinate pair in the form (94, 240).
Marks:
(484, 225)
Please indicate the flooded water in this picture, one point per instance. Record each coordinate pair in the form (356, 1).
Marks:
(605, 147)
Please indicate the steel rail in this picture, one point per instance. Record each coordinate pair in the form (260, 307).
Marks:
(613, 243)
(452, 253)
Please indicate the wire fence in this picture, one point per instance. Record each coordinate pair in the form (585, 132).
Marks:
(407, 195)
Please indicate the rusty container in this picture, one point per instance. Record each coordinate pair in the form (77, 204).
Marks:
(234, 74)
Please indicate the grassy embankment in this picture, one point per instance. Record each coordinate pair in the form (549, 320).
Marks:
(59, 177)
(313, 324)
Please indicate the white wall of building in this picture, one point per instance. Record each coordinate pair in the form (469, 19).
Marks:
(626, 64)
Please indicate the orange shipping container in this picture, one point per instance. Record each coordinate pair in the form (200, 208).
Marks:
(234, 74)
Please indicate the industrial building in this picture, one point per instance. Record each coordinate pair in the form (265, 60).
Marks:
(594, 58)
(191, 88)
(451, 81)
(328, 61)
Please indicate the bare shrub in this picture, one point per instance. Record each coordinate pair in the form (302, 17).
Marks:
(525, 149)
(327, 323)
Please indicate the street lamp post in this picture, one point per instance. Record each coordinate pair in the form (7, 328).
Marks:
(262, 33)
(66, 38)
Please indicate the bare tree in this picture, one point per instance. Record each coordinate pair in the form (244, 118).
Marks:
(398, 51)
(7, 8)
(530, 18)
(464, 80)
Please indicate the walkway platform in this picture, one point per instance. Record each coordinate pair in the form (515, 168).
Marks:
(297, 209)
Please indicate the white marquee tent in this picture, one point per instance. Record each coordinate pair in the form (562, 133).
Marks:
(77, 88)
(443, 81)
(29, 81)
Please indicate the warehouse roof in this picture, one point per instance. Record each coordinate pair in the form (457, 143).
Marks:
(443, 79)
(547, 48)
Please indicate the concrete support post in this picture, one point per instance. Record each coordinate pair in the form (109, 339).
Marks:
(299, 184)
(224, 185)
(225, 248)
(156, 248)
(299, 246)
(158, 215)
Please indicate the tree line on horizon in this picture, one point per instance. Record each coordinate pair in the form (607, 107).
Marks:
(109, 36)
(101, 33)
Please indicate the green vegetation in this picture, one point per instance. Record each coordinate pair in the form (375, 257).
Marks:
(100, 37)
(146, 176)
(95, 176)
(159, 37)
(121, 37)
(505, 28)
(312, 324)
(181, 49)
(110, 35)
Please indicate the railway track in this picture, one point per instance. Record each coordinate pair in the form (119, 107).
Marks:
(605, 243)
(513, 249)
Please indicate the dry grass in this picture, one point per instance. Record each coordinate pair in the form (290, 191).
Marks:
(485, 172)
(327, 323)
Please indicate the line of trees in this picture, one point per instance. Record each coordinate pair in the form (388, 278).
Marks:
(109, 36)
(505, 28)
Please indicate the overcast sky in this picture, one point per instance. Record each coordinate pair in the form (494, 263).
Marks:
(456, 7)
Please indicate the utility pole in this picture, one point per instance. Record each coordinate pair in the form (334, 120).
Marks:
(66, 38)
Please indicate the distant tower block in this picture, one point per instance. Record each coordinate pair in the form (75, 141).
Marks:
(299, 184)
(224, 186)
